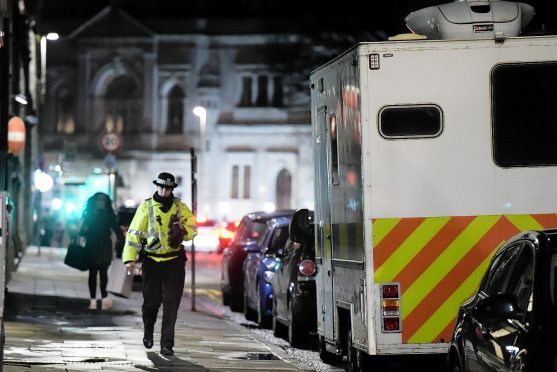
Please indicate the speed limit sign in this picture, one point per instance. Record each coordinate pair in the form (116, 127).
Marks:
(110, 142)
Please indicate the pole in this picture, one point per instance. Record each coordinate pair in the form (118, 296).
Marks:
(194, 211)
(4, 99)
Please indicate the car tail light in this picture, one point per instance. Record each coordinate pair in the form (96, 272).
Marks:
(306, 269)
(390, 307)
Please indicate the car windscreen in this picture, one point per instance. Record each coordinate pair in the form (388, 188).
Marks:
(253, 231)
(280, 235)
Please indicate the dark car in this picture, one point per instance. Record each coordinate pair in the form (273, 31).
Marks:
(259, 269)
(510, 323)
(294, 293)
(245, 240)
(125, 217)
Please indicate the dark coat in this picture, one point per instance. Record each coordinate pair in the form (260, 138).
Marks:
(96, 228)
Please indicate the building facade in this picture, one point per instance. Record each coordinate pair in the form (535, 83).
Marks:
(119, 76)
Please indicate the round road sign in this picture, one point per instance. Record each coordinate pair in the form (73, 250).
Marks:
(111, 142)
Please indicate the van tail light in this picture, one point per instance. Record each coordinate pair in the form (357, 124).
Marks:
(390, 307)
(306, 269)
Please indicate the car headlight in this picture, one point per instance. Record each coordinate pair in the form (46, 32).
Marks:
(268, 276)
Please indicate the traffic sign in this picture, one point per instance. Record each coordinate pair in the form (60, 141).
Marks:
(110, 142)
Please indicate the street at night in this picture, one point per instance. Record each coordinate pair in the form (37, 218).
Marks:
(198, 185)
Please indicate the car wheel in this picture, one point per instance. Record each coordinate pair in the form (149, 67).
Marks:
(262, 318)
(225, 298)
(454, 364)
(249, 313)
(297, 334)
(278, 329)
(236, 303)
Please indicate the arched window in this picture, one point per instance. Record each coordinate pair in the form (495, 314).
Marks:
(284, 189)
(278, 93)
(175, 123)
(64, 112)
(245, 99)
(121, 105)
(262, 93)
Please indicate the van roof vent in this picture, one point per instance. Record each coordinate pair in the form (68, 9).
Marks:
(471, 19)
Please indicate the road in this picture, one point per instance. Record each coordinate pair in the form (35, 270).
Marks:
(208, 274)
(49, 327)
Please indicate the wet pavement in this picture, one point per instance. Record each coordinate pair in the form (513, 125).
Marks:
(48, 327)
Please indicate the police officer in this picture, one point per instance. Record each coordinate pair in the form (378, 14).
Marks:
(157, 230)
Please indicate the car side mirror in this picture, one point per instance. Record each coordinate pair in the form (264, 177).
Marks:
(499, 306)
(301, 226)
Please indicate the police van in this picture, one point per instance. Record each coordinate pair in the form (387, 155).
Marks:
(430, 151)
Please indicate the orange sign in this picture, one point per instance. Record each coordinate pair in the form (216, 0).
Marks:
(16, 135)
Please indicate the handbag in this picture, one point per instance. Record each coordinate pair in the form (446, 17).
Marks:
(119, 281)
(77, 256)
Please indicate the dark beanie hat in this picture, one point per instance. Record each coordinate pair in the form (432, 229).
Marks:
(165, 180)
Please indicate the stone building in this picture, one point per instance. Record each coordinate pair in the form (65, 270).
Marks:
(140, 82)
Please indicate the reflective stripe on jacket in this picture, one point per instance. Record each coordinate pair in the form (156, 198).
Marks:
(150, 227)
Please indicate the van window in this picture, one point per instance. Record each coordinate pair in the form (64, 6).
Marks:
(524, 115)
(410, 121)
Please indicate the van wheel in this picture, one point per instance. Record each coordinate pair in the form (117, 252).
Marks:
(326, 356)
(352, 354)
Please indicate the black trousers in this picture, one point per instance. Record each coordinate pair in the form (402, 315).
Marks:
(103, 276)
(163, 283)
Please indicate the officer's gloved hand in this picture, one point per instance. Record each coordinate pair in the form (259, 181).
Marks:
(176, 233)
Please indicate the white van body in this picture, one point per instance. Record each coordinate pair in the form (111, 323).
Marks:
(428, 154)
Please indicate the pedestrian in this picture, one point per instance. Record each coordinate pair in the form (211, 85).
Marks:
(158, 228)
(97, 222)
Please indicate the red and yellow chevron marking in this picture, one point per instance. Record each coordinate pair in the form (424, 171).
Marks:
(439, 262)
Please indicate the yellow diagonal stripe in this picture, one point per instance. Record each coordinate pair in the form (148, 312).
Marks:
(446, 261)
(381, 227)
(447, 312)
(409, 248)
(524, 222)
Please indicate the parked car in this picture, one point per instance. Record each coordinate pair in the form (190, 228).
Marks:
(293, 285)
(207, 238)
(259, 269)
(510, 323)
(245, 240)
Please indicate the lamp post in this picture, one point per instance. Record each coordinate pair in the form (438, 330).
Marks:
(201, 112)
(50, 36)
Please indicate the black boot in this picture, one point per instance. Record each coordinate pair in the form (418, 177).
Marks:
(148, 337)
(167, 351)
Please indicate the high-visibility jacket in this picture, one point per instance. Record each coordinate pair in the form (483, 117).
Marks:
(150, 228)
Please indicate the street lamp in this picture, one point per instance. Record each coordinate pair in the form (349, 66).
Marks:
(201, 112)
(44, 38)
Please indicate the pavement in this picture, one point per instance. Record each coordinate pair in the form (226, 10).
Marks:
(49, 327)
